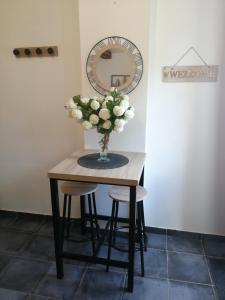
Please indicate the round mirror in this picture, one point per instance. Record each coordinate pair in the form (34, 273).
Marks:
(114, 61)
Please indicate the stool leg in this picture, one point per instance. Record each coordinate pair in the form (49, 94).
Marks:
(143, 223)
(110, 234)
(115, 223)
(91, 223)
(95, 215)
(64, 217)
(82, 214)
(68, 217)
(139, 229)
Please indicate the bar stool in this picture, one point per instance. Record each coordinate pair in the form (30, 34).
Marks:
(70, 189)
(122, 194)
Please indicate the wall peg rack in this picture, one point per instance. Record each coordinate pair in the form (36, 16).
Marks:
(45, 51)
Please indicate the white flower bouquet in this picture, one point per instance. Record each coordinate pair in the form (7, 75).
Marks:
(106, 114)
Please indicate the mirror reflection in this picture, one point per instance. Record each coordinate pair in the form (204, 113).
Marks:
(114, 68)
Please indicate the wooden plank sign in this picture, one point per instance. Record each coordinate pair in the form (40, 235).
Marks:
(190, 73)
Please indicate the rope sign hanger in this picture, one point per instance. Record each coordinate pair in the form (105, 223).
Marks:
(186, 52)
(194, 73)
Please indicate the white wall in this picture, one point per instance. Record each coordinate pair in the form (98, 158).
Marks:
(129, 19)
(34, 131)
(185, 140)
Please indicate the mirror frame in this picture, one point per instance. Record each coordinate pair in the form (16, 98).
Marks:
(127, 47)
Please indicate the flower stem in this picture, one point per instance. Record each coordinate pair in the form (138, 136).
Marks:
(104, 142)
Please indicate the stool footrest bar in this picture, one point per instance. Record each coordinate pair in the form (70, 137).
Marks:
(97, 260)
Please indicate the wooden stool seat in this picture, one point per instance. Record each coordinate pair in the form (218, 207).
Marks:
(122, 193)
(78, 188)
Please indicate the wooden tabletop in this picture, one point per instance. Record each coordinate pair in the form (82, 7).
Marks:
(128, 175)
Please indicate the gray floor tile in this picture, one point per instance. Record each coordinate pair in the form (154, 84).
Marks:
(184, 241)
(20, 277)
(64, 288)
(122, 240)
(78, 248)
(23, 275)
(27, 222)
(156, 238)
(214, 245)
(75, 228)
(115, 254)
(13, 242)
(43, 244)
(188, 267)
(47, 227)
(6, 218)
(12, 295)
(100, 285)
(155, 262)
(40, 247)
(4, 260)
(217, 269)
(188, 291)
(148, 289)
(37, 297)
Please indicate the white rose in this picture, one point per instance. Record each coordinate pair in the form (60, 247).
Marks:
(95, 98)
(94, 119)
(126, 97)
(84, 100)
(107, 124)
(95, 104)
(118, 110)
(104, 104)
(132, 108)
(129, 114)
(71, 104)
(119, 122)
(125, 104)
(104, 114)
(87, 125)
(109, 98)
(100, 100)
(113, 89)
(118, 129)
(76, 113)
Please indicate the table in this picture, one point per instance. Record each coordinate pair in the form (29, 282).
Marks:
(130, 175)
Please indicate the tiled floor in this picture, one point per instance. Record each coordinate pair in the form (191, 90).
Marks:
(178, 266)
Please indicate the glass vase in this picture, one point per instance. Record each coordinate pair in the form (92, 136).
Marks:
(104, 143)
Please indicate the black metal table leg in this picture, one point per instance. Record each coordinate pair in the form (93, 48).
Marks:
(142, 177)
(64, 220)
(132, 221)
(56, 227)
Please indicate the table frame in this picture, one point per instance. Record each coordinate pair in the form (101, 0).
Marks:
(58, 235)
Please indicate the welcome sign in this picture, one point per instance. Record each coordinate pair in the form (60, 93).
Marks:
(203, 73)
